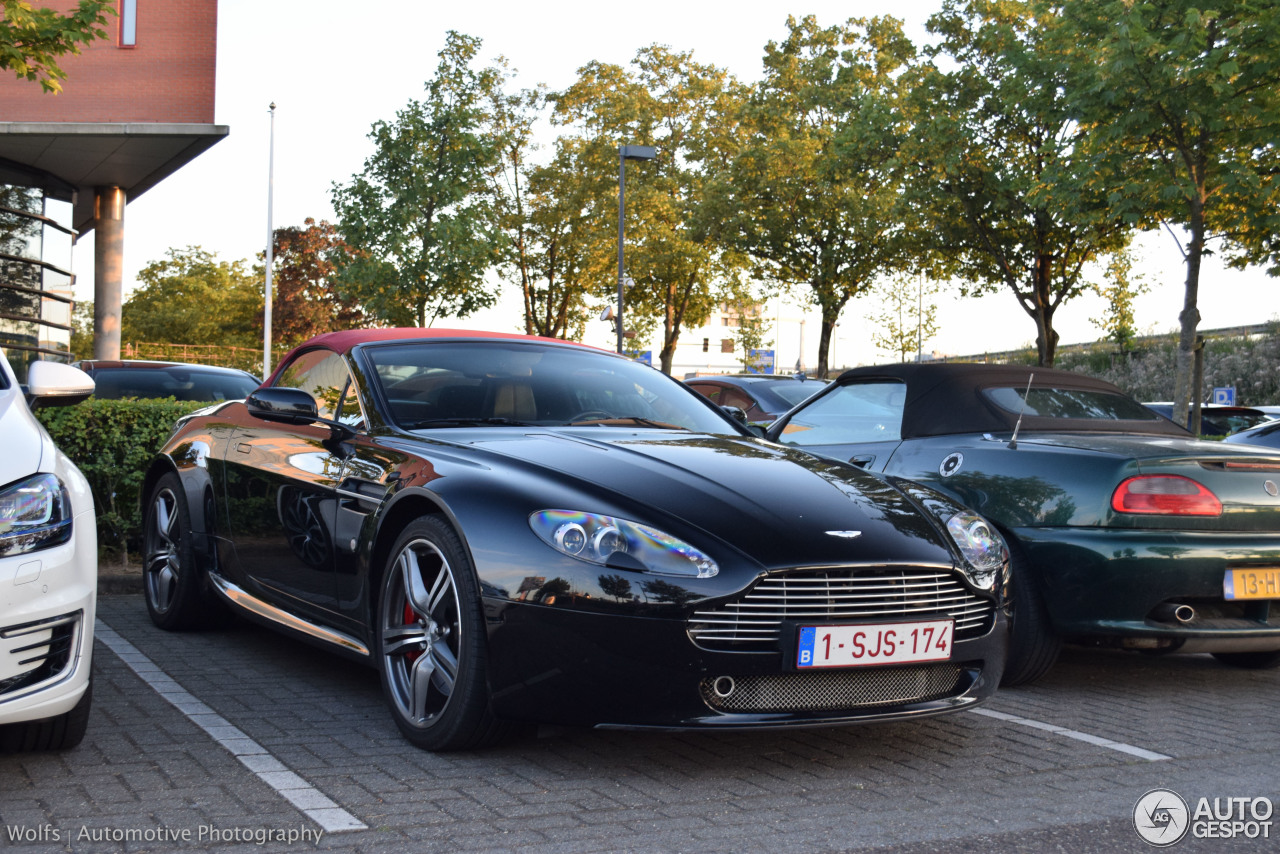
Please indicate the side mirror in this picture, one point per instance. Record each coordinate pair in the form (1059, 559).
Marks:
(290, 405)
(56, 384)
(735, 413)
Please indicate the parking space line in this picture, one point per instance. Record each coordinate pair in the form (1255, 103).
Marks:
(305, 797)
(1139, 752)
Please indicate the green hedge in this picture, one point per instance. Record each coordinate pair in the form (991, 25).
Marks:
(112, 442)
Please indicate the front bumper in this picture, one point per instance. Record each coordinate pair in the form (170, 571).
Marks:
(551, 664)
(48, 601)
(1108, 585)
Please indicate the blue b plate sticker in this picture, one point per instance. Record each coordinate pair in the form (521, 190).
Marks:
(805, 656)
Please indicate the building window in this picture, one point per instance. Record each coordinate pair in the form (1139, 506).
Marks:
(35, 266)
(128, 23)
(726, 345)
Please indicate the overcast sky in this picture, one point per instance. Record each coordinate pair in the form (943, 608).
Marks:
(333, 68)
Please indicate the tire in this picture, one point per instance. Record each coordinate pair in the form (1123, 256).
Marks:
(1033, 647)
(57, 733)
(431, 643)
(1250, 660)
(171, 581)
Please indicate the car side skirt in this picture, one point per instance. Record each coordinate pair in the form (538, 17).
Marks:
(249, 604)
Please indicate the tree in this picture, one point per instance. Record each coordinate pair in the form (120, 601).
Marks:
(542, 210)
(306, 301)
(812, 195)
(686, 110)
(906, 320)
(82, 329)
(998, 174)
(567, 259)
(1123, 286)
(191, 297)
(749, 324)
(32, 39)
(419, 223)
(1184, 100)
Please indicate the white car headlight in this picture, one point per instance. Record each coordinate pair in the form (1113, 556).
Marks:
(608, 540)
(982, 546)
(35, 513)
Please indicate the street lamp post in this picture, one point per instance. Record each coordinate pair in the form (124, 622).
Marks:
(625, 153)
(266, 306)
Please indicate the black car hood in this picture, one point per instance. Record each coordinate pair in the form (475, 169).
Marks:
(779, 506)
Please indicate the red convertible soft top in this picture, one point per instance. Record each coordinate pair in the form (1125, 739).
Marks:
(344, 340)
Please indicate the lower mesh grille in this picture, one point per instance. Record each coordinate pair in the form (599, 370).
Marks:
(836, 689)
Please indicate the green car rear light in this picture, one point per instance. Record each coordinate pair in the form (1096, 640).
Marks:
(1165, 495)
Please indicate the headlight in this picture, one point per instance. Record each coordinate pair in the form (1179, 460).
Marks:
(982, 546)
(607, 540)
(34, 514)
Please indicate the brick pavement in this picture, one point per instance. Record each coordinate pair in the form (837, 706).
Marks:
(918, 786)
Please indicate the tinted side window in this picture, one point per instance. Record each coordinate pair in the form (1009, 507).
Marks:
(734, 397)
(323, 375)
(861, 412)
(1069, 403)
(711, 392)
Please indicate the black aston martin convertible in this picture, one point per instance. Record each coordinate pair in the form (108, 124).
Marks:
(518, 530)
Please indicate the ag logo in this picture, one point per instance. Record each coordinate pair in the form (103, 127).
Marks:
(951, 464)
(1161, 817)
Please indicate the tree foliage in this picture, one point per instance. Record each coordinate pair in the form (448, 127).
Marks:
(418, 223)
(190, 297)
(908, 316)
(1119, 291)
(543, 211)
(34, 38)
(812, 194)
(998, 174)
(686, 110)
(306, 301)
(1185, 99)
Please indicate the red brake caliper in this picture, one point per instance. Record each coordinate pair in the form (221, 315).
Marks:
(411, 619)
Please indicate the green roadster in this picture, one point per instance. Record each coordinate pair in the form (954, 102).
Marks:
(1125, 530)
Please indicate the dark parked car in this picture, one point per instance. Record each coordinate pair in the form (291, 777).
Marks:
(1124, 529)
(761, 397)
(139, 378)
(1266, 434)
(1217, 420)
(514, 529)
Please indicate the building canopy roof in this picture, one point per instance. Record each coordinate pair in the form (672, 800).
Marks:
(134, 156)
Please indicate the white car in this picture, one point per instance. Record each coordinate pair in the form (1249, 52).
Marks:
(48, 568)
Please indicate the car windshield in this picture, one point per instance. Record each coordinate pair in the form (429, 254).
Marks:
(466, 383)
(1070, 403)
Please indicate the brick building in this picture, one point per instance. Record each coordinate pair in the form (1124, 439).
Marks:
(135, 108)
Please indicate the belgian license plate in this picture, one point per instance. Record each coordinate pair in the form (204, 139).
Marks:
(874, 643)
(1262, 583)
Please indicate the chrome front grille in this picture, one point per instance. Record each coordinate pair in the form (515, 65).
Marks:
(752, 621)
(37, 652)
(832, 690)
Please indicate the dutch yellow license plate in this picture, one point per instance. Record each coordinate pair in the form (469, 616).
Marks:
(1262, 583)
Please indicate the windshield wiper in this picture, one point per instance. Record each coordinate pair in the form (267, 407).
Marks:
(466, 422)
(633, 419)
